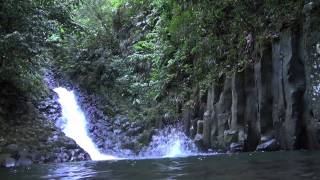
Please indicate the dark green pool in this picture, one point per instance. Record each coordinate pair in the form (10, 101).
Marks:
(247, 166)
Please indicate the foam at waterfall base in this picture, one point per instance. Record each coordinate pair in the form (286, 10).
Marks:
(168, 143)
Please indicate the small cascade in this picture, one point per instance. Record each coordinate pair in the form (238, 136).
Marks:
(168, 143)
(74, 124)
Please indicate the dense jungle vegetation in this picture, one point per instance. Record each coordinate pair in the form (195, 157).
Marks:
(147, 59)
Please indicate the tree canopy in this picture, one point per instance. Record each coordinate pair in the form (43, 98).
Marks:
(137, 53)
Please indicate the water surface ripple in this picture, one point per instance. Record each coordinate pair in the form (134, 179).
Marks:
(249, 166)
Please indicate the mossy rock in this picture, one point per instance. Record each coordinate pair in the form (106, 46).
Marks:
(230, 137)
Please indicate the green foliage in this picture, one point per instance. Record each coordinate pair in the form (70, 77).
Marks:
(117, 3)
(153, 54)
(27, 31)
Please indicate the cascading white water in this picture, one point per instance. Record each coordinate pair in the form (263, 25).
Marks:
(167, 143)
(170, 142)
(74, 124)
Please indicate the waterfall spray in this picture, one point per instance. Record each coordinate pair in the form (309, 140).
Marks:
(168, 143)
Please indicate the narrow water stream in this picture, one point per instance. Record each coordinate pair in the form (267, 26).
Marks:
(74, 124)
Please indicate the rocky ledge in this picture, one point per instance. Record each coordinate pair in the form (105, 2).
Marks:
(28, 133)
(113, 135)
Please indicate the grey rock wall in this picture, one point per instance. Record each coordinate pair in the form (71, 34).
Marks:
(275, 102)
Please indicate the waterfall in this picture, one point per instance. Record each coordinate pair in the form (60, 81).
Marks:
(166, 143)
(74, 124)
(170, 142)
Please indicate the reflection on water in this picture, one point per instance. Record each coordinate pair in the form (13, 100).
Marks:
(71, 171)
(276, 165)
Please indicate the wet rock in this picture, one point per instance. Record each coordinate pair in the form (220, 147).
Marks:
(236, 147)
(264, 77)
(129, 145)
(188, 119)
(193, 128)
(7, 161)
(271, 145)
(64, 157)
(11, 149)
(206, 129)
(69, 143)
(117, 121)
(311, 59)
(198, 139)
(23, 152)
(24, 162)
(52, 111)
(200, 127)
(238, 102)
(146, 136)
(310, 7)
(230, 137)
(134, 131)
(221, 113)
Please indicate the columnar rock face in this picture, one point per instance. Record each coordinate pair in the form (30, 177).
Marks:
(311, 57)
(275, 102)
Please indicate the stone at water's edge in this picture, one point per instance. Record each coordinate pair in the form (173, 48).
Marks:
(7, 161)
(271, 145)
